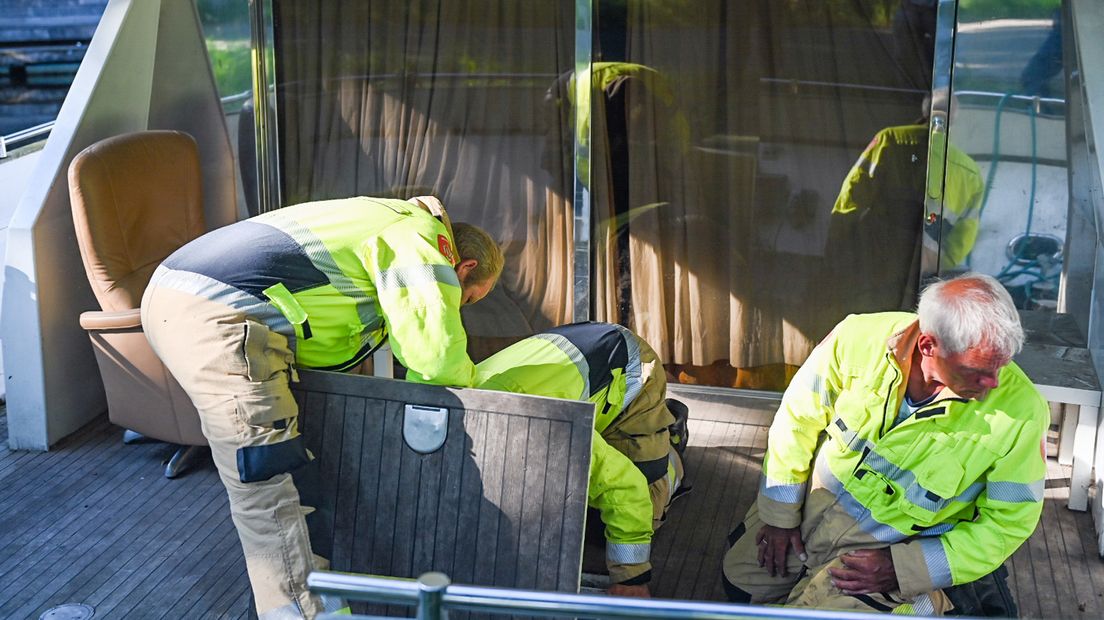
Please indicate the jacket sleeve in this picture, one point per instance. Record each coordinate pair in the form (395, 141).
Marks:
(419, 294)
(1008, 511)
(620, 492)
(805, 411)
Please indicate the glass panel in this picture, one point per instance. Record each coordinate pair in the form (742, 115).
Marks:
(226, 28)
(1008, 127)
(757, 174)
(466, 100)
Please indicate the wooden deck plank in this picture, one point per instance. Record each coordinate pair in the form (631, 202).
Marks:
(1046, 593)
(685, 558)
(194, 560)
(90, 453)
(85, 541)
(227, 570)
(28, 531)
(165, 555)
(717, 522)
(743, 479)
(10, 457)
(1058, 568)
(714, 485)
(1084, 602)
(115, 556)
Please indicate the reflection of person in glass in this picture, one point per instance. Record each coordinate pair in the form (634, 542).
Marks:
(878, 225)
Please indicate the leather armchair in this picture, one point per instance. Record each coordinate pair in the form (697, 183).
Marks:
(136, 198)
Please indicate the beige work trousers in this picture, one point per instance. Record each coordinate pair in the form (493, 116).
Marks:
(237, 373)
(811, 585)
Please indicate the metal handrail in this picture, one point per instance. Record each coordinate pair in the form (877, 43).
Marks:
(30, 133)
(434, 596)
(23, 135)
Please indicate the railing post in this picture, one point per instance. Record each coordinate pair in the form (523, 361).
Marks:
(431, 589)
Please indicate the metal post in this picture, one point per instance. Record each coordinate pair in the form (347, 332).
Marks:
(431, 591)
(582, 223)
(264, 105)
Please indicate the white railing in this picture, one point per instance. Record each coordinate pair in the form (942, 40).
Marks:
(41, 132)
(24, 135)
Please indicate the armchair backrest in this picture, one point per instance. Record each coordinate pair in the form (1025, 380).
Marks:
(136, 198)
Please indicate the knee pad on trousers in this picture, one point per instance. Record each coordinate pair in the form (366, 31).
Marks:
(734, 594)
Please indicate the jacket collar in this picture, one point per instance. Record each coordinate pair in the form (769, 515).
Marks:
(901, 346)
(433, 206)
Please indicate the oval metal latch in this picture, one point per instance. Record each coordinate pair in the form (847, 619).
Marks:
(425, 428)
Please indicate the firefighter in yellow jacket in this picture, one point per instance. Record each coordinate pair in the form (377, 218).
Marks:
(636, 467)
(317, 285)
(905, 458)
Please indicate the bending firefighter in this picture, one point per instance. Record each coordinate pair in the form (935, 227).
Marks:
(319, 285)
(636, 468)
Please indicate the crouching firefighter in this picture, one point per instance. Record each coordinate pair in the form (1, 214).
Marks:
(636, 466)
(317, 285)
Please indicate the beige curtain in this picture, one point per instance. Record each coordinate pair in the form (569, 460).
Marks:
(714, 168)
(445, 98)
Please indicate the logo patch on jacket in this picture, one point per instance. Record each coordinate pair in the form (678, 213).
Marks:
(445, 248)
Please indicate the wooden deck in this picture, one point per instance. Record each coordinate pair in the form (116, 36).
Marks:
(93, 521)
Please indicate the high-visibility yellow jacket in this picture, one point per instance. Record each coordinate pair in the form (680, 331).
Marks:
(602, 363)
(337, 277)
(890, 174)
(953, 490)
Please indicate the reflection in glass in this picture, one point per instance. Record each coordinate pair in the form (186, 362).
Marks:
(226, 30)
(721, 140)
(1008, 113)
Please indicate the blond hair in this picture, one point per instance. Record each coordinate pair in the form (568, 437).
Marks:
(473, 242)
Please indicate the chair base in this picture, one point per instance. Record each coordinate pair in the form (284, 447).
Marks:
(182, 460)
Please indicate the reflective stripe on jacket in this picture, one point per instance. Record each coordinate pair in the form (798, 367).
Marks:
(954, 489)
(600, 363)
(337, 277)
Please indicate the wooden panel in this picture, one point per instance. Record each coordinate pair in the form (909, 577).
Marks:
(501, 503)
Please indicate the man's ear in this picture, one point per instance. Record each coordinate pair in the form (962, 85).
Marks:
(465, 267)
(927, 344)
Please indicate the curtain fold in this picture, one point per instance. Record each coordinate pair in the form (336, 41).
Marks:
(443, 98)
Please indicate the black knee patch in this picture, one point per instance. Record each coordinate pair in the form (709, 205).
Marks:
(736, 534)
(734, 594)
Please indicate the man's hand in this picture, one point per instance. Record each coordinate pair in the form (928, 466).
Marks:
(773, 543)
(865, 571)
(620, 589)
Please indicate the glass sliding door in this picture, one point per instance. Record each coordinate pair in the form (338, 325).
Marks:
(757, 174)
(465, 100)
(1007, 124)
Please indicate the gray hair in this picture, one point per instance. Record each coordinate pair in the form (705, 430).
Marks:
(969, 310)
